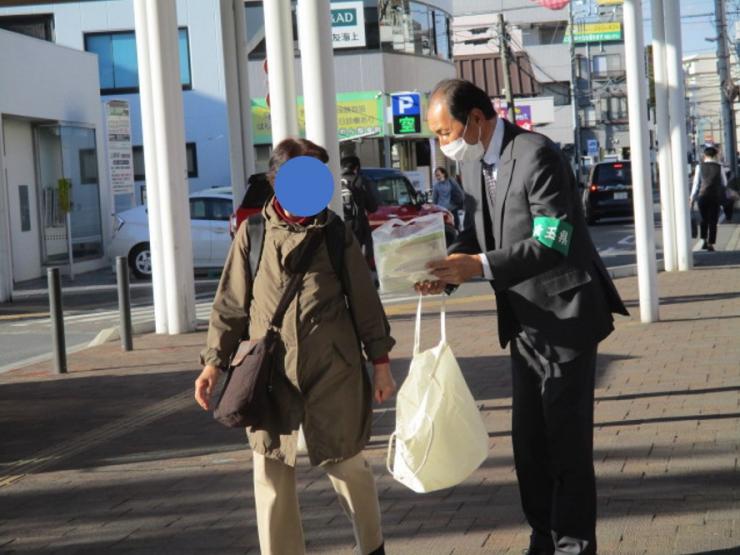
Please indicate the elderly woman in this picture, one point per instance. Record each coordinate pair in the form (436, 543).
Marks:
(326, 324)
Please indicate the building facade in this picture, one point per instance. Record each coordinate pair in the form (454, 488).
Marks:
(539, 41)
(54, 194)
(395, 45)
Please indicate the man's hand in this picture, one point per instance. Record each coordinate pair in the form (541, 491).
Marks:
(205, 384)
(430, 287)
(457, 268)
(383, 383)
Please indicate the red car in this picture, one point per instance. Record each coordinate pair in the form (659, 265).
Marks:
(397, 198)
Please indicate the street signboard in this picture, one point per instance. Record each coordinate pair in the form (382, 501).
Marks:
(592, 147)
(406, 109)
(348, 24)
(595, 32)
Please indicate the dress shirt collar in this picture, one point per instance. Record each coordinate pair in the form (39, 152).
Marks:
(493, 154)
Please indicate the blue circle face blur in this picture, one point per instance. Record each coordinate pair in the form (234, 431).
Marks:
(304, 186)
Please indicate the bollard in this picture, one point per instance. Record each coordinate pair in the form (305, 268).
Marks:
(57, 320)
(124, 303)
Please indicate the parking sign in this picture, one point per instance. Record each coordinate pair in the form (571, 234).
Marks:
(406, 109)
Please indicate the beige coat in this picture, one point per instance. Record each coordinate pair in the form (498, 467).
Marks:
(322, 356)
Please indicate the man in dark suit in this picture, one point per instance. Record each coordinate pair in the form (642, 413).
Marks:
(554, 301)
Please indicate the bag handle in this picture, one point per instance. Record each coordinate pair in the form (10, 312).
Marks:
(442, 324)
(414, 471)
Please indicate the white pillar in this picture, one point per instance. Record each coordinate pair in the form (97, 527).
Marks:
(634, 45)
(150, 165)
(169, 135)
(241, 150)
(242, 61)
(281, 75)
(319, 87)
(663, 134)
(679, 142)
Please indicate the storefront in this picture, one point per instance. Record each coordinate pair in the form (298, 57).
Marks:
(52, 187)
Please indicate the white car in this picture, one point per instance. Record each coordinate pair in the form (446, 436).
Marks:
(210, 210)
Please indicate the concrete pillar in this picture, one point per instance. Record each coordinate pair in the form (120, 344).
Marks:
(663, 134)
(679, 133)
(319, 87)
(634, 44)
(150, 165)
(241, 148)
(281, 75)
(171, 177)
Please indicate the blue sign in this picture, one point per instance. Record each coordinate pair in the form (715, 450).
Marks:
(592, 146)
(406, 113)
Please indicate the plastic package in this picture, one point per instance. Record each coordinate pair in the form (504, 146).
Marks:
(403, 249)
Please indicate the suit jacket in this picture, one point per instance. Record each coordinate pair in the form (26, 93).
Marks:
(563, 302)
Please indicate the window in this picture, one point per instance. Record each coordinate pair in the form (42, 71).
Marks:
(442, 35)
(394, 191)
(414, 28)
(606, 65)
(559, 91)
(614, 108)
(205, 208)
(117, 60)
(38, 26)
(88, 166)
(190, 155)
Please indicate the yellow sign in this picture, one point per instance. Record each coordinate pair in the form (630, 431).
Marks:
(595, 32)
(610, 2)
(358, 114)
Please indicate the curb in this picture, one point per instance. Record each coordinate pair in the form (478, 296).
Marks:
(112, 334)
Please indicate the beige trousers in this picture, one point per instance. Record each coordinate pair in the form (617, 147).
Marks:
(278, 514)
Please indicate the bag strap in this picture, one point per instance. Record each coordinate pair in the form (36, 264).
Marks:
(256, 232)
(442, 324)
(296, 281)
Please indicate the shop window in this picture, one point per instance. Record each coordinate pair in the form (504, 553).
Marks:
(414, 28)
(117, 62)
(190, 155)
(38, 26)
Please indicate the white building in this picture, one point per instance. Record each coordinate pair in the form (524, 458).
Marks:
(54, 194)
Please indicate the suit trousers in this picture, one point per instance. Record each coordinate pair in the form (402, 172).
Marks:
(278, 514)
(552, 433)
(709, 210)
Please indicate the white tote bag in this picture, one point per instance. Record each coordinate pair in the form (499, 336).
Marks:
(440, 437)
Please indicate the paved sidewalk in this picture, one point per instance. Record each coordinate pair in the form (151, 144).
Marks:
(116, 458)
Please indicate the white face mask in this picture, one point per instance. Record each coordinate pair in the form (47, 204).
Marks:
(461, 151)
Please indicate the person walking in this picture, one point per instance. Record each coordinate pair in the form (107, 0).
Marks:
(359, 199)
(329, 392)
(448, 194)
(708, 192)
(554, 302)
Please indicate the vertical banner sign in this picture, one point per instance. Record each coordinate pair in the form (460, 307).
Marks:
(406, 109)
(120, 155)
(348, 24)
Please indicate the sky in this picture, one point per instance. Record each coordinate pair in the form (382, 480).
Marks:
(697, 23)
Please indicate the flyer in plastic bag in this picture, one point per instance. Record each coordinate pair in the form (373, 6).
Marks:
(403, 249)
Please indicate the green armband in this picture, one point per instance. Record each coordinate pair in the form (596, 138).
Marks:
(553, 233)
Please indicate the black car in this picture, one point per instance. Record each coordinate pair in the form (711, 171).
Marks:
(608, 192)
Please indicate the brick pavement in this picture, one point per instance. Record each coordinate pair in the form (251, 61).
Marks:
(116, 458)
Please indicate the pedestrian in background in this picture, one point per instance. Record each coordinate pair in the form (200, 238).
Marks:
(448, 194)
(554, 303)
(708, 192)
(319, 348)
(359, 199)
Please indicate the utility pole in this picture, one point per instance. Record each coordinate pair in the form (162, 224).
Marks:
(503, 44)
(729, 138)
(574, 93)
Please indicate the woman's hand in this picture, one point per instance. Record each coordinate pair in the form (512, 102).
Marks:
(205, 384)
(383, 383)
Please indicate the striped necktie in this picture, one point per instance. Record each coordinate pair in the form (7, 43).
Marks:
(490, 180)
